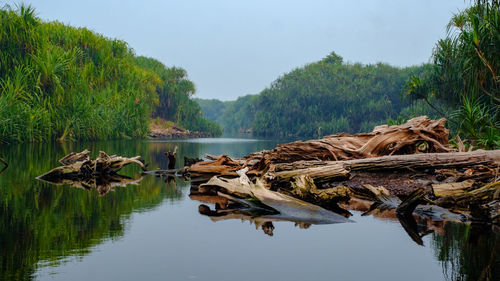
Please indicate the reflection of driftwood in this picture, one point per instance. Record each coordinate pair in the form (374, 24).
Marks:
(403, 158)
(87, 169)
(5, 165)
(289, 208)
(103, 184)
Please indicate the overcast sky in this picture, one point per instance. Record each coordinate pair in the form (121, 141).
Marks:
(231, 48)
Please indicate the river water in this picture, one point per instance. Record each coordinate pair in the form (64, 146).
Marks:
(152, 230)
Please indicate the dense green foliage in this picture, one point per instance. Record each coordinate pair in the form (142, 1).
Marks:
(464, 77)
(320, 98)
(235, 117)
(462, 84)
(174, 93)
(57, 81)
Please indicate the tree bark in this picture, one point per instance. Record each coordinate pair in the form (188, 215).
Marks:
(340, 169)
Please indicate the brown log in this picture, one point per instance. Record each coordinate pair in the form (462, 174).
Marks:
(171, 158)
(416, 136)
(323, 173)
(103, 165)
(75, 157)
(408, 205)
(223, 166)
(340, 169)
(451, 189)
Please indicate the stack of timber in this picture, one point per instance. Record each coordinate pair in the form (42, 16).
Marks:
(412, 162)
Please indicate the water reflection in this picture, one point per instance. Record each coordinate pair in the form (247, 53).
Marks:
(102, 184)
(43, 224)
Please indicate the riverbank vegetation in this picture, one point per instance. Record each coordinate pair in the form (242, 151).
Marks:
(461, 83)
(320, 98)
(62, 82)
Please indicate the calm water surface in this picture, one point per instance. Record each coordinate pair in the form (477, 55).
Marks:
(153, 230)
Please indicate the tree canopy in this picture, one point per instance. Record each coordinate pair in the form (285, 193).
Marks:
(57, 81)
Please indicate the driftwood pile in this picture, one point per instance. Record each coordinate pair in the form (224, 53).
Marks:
(409, 169)
(79, 170)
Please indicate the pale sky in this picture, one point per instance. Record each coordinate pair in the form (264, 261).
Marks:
(232, 48)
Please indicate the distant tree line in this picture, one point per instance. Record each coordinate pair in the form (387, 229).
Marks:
(320, 98)
(61, 82)
(461, 83)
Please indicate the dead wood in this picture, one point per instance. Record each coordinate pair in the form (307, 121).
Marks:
(303, 187)
(223, 166)
(289, 208)
(418, 135)
(324, 170)
(408, 205)
(88, 169)
(328, 170)
(171, 158)
(451, 189)
(75, 157)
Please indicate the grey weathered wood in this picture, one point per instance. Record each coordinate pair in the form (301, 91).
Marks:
(332, 169)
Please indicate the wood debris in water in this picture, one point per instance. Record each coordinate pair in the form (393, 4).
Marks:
(411, 157)
(79, 166)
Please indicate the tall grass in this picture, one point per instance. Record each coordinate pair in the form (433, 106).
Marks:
(61, 82)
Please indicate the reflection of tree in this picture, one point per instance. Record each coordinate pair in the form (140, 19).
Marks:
(44, 223)
(468, 252)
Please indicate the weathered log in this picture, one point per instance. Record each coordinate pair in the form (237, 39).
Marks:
(408, 205)
(75, 157)
(303, 187)
(451, 189)
(323, 173)
(289, 208)
(416, 136)
(171, 158)
(223, 166)
(340, 169)
(103, 165)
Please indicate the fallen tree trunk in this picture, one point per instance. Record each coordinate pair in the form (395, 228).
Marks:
(341, 169)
